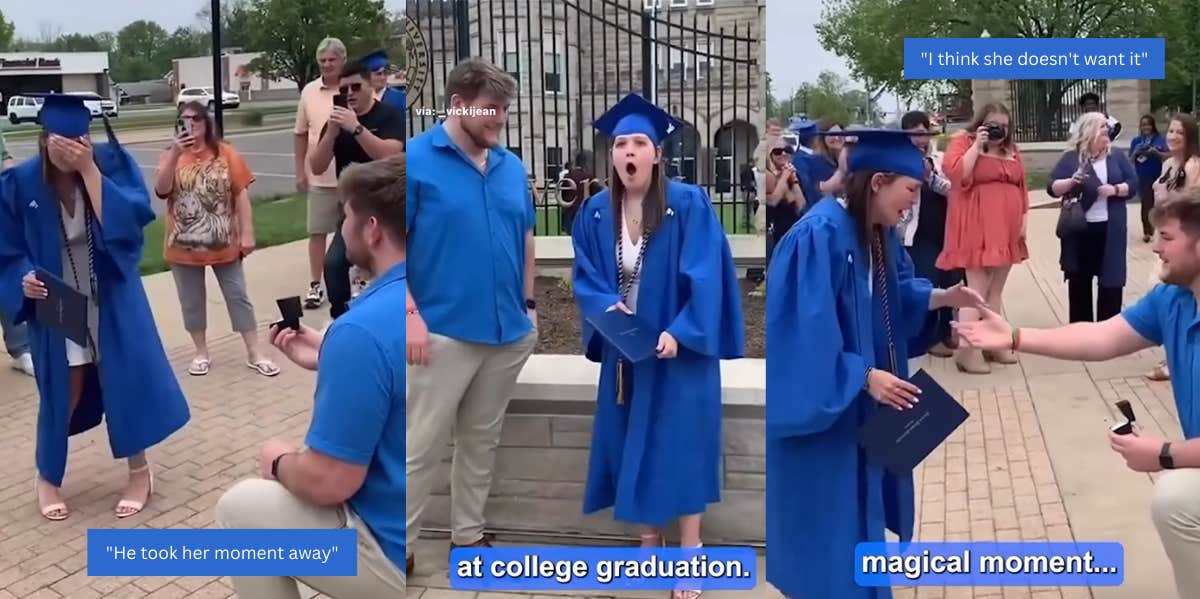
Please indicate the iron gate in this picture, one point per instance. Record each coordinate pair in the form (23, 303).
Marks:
(572, 59)
(1044, 109)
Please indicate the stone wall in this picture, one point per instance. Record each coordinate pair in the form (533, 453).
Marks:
(541, 465)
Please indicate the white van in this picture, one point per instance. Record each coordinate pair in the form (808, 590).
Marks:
(22, 109)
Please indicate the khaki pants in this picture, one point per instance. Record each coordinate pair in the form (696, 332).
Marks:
(259, 503)
(1176, 514)
(466, 387)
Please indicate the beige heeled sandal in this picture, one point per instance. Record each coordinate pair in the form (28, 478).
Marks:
(55, 512)
(128, 507)
(971, 361)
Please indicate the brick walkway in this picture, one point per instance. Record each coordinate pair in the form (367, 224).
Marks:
(233, 411)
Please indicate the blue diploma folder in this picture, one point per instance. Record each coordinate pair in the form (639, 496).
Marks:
(900, 439)
(65, 310)
(631, 336)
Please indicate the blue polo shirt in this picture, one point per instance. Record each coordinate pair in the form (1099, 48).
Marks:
(1167, 316)
(466, 240)
(358, 412)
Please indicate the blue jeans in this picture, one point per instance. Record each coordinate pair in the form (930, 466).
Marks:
(16, 337)
(337, 276)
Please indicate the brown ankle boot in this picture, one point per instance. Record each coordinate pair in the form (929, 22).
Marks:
(971, 360)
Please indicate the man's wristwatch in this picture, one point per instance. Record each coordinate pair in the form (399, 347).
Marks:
(530, 304)
(275, 465)
(1164, 457)
(358, 130)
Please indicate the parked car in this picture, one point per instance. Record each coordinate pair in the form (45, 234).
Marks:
(97, 104)
(205, 95)
(22, 108)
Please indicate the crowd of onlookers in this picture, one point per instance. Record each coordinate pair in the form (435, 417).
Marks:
(969, 223)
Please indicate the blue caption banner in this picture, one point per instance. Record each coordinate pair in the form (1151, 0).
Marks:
(602, 568)
(989, 564)
(221, 552)
(1034, 58)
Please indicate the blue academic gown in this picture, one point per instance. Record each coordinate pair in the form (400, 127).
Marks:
(658, 456)
(824, 328)
(135, 390)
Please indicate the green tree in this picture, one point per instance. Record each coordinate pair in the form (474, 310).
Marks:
(287, 32)
(235, 23)
(870, 34)
(78, 42)
(7, 32)
(139, 53)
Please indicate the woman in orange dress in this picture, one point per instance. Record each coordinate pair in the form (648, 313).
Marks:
(985, 218)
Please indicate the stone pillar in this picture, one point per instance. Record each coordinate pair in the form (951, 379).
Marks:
(986, 91)
(1127, 100)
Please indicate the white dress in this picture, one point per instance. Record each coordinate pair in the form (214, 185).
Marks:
(76, 246)
(629, 257)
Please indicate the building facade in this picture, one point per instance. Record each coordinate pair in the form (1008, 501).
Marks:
(43, 72)
(701, 60)
(197, 71)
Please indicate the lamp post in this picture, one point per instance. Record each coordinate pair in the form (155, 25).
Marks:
(218, 82)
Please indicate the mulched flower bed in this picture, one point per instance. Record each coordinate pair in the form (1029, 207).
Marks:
(558, 319)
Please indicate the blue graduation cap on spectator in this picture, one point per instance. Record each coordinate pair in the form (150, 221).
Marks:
(885, 151)
(376, 61)
(634, 114)
(64, 114)
(804, 127)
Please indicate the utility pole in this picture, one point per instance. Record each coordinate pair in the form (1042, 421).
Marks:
(218, 80)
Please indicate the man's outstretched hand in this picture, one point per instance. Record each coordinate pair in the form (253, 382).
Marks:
(991, 333)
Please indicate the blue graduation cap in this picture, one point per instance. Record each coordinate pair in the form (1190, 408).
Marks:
(804, 127)
(376, 61)
(885, 151)
(634, 114)
(64, 114)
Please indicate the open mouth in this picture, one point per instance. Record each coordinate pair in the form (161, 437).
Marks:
(630, 168)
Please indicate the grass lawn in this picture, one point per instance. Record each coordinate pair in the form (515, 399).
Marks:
(277, 220)
(732, 215)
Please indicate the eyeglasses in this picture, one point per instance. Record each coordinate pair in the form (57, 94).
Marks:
(780, 151)
(353, 87)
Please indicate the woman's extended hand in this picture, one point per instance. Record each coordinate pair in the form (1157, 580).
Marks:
(886, 388)
(33, 288)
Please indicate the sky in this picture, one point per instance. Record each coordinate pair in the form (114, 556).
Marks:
(65, 16)
(794, 54)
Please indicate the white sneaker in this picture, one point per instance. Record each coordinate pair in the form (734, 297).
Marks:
(24, 363)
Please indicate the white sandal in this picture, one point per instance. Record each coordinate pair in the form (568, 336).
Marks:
(136, 507)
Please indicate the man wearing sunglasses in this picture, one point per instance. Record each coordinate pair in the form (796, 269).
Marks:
(360, 129)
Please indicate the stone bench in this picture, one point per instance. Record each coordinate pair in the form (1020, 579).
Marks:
(541, 465)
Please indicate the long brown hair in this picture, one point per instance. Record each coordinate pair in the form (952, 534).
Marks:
(210, 128)
(981, 116)
(858, 203)
(1191, 135)
(654, 206)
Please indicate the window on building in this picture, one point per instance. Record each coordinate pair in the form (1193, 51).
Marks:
(651, 4)
(705, 3)
(512, 64)
(679, 3)
(553, 79)
(554, 162)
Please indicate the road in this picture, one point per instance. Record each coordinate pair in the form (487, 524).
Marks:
(269, 154)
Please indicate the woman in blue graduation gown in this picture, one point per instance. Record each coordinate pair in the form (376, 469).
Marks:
(78, 212)
(842, 305)
(655, 248)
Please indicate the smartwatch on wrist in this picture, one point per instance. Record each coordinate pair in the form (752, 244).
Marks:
(275, 465)
(1164, 457)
